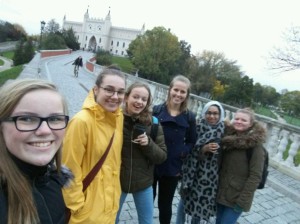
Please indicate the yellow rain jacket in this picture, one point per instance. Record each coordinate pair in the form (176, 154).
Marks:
(87, 137)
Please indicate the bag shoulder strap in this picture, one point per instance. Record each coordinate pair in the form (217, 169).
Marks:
(89, 178)
(154, 128)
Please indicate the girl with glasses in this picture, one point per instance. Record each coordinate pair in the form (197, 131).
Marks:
(87, 137)
(33, 118)
(200, 169)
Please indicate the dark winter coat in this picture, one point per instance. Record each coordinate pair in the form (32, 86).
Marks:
(78, 62)
(138, 161)
(180, 137)
(46, 190)
(239, 177)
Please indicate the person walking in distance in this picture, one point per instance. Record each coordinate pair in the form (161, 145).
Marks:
(98, 125)
(142, 149)
(33, 118)
(179, 126)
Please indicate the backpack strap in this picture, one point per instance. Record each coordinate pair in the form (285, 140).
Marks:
(154, 128)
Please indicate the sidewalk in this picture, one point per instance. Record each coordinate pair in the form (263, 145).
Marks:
(277, 203)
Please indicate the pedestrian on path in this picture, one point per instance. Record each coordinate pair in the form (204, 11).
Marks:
(179, 126)
(88, 137)
(239, 177)
(140, 151)
(33, 118)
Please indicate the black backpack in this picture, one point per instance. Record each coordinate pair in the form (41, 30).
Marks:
(265, 168)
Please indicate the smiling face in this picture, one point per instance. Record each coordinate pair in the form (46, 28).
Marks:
(178, 93)
(137, 100)
(212, 115)
(102, 93)
(242, 122)
(35, 147)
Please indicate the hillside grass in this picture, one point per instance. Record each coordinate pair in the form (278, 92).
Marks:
(124, 64)
(11, 73)
(8, 54)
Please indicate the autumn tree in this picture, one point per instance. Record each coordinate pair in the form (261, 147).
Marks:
(155, 53)
(213, 67)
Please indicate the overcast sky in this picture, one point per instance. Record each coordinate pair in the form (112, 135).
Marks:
(244, 30)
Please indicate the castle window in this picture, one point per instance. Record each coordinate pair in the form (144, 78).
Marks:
(118, 44)
(112, 42)
(100, 40)
(122, 52)
(86, 38)
(116, 51)
(123, 44)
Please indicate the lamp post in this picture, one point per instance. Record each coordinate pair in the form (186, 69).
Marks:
(42, 29)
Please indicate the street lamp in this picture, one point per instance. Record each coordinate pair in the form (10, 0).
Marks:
(42, 29)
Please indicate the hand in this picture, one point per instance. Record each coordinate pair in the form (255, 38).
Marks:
(142, 140)
(211, 147)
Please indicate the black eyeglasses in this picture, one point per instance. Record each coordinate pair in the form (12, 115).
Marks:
(111, 92)
(31, 123)
(212, 114)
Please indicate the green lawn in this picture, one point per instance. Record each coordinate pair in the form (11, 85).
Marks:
(12, 73)
(1, 62)
(265, 111)
(124, 63)
(8, 54)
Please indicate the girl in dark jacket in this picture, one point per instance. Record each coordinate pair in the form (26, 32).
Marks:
(140, 152)
(179, 125)
(33, 118)
(239, 177)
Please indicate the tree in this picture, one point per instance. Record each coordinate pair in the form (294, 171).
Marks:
(24, 52)
(52, 27)
(103, 57)
(154, 54)
(211, 67)
(240, 92)
(11, 32)
(287, 58)
(290, 103)
(53, 41)
(70, 39)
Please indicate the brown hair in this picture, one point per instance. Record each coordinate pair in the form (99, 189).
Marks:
(180, 78)
(21, 206)
(145, 116)
(110, 70)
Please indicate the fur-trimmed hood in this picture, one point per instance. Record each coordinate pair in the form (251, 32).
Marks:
(256, 135)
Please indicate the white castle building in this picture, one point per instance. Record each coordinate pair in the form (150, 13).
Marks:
(94, 34)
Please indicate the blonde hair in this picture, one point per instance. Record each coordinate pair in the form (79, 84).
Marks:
(180, 78)
(249, 112)
(21, 206)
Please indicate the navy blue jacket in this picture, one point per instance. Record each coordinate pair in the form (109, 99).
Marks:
(180, 137)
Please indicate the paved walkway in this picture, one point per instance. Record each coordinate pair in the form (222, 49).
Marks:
(7, 64)
(278, 203)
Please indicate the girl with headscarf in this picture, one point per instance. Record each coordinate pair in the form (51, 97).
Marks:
(200, 168)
